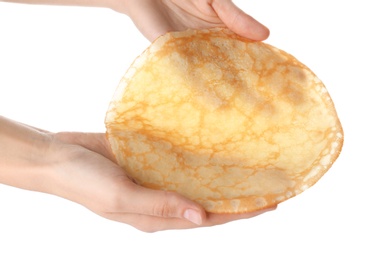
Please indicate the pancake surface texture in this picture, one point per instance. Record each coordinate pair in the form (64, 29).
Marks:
(232, 124)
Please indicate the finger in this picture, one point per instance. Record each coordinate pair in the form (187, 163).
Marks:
(148, 223)
(218, 219)
(162, 204)
(240, 22)
(152, 223)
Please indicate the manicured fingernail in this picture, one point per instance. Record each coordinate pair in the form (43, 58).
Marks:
(193, 216)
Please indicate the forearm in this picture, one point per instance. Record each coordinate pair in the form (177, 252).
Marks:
(23, 155)
(113, 4)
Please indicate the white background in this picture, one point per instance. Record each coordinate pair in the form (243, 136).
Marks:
(59, 67)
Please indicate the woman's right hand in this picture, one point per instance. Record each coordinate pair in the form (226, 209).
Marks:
(87, 174)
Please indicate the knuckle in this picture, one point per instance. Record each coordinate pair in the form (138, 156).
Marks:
(115, 200)
(110, 203)
(114, 203)
(167, 207)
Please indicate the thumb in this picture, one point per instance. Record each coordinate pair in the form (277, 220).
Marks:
(96, 142)
(164, 204)
(240, 22)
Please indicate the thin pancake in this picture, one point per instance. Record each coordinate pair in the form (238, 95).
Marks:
(233, 124)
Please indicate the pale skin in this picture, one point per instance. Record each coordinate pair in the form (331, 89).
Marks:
(59, 163)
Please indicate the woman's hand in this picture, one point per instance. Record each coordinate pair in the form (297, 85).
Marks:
(80, 167)
(154, 17)
(88, 175)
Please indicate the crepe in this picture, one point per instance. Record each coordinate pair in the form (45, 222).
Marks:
(232, 124)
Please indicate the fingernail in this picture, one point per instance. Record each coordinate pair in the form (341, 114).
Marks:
(193, 216)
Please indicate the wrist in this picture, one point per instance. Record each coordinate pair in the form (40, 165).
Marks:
(24, 160)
